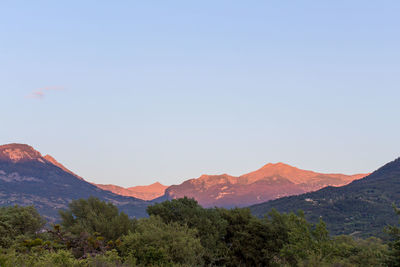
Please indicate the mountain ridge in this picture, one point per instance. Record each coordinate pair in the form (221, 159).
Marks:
(271, 181)
(58, 164)
(145, 192)
(28, 178)
(362, 207)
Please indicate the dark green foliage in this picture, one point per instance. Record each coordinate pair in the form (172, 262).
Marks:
(244, 240)
(246, 237)
(394, 231)
(305, 240)
(182, 233)
(210, 226)
(276, 240)
(360, 252)
(18, 221)
(94, 216)
(83, 245)
(185, 210)
(158, 243)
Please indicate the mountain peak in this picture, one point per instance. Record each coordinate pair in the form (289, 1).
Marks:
(363, 206)
(278, 165)
(391, 167)
(284, 170)
(273, 180)
(19, 152)
(154, 186)
(145, 192)
(157, 184)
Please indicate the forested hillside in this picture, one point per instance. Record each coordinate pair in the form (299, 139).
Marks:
(362, 208)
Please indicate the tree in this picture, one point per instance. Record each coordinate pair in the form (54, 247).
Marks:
(394, 245)
(210, 226)
(184, 210)
(96, 217)
(157, 243)
(16, 221)
(359, 252)
(306, 241)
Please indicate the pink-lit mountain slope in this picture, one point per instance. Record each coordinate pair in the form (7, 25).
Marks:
(270, 182)
(146, 192)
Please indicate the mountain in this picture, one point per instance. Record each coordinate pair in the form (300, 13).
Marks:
(62, 167)
(146, 192)
(270, 182)
(362, 208)
(28, 178)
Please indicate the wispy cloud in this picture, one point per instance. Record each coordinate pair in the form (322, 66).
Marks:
(41, 92)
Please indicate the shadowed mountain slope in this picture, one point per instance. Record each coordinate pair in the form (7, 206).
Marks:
(28, 178)
(362, 207)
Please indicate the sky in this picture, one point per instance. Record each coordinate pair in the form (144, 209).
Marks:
(133, 92)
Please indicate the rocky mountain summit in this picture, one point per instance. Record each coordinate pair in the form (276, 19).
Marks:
(269, 182)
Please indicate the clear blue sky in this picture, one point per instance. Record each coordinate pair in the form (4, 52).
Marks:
(130, 92)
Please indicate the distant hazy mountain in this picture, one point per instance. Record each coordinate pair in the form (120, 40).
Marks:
(145, 192)
(362, 207)
(270, 182)
(28, 178)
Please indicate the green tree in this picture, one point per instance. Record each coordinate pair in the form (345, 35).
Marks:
(17, 221)
(95, 217)
(306, 241)
(394, 245)
(350, 251)
(157, 243)
(210, 226)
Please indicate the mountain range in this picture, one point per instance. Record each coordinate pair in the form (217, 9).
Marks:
(147, 192)
(361, 208)
(269, 182)
(28, 178)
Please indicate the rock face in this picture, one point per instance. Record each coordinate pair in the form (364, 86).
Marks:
(145, 192)
(28, 178)
(270, 182)
(19, 153)
(361, 208)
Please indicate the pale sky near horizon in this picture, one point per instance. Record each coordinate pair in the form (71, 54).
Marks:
(133, 92)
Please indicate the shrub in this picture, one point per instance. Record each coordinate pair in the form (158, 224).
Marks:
(158, 243)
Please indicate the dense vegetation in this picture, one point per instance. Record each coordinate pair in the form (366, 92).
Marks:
(362, 208)
(181, 233)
